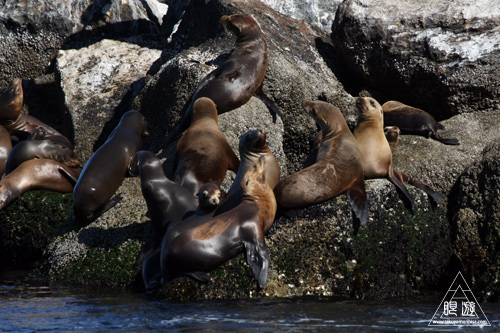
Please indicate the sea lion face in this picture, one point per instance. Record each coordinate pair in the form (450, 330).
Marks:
(327, 116)
(392, 132)
(369, 108)
(11, 100)
(253, 141)
(204, 107)
(239, 23)
(135, 120)
(209, 196)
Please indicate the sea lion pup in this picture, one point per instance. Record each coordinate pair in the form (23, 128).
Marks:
(40, 148)
(36, 175)
(15, 121)
(338, 169)
(252, 146)
(203, 154)
(209, 197)
(192, 248)
(374, 147)
(234, 82)
(5, 149)
(104, 172)
(411, 120)
(392, 135)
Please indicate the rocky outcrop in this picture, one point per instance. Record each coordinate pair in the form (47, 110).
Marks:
(441, 56)
(317, 252)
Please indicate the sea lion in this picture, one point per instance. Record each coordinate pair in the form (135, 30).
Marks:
(36, 175)
(377, 155)
(392, 135)
(252, 146)
(104, 172)
(5, 149)
(203, 154)
(15, 121)
(338, 169)
(411, 120)
(35, 148)
(192, 248)
(234, 82)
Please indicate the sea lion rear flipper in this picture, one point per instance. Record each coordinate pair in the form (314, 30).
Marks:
(359, 202)
(199, 276)
(258, 258)
(402, 190)
(259, 93)
(446, 141)
(440, 126)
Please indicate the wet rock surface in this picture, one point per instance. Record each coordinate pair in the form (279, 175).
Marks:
(97, 74)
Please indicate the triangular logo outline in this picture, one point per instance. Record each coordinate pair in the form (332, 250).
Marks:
(448, 307)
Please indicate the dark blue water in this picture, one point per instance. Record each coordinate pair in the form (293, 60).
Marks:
(28, 307)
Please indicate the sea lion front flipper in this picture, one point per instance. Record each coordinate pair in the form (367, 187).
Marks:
(259, 93)
(199, 276)
(107, 206)
(359, 202)
(402, 190)
(69, 176)
(151, 271)
(436, 196)
(258, 258)
(446, 141)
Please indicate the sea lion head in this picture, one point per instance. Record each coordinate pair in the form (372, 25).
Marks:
(328, 117)
(11, 101)
(209, 196)
(136, 121)
(204, 107)
(369, 109)
(253, 141)
(239, 24)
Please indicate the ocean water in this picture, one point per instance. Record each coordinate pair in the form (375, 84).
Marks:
(27, 306)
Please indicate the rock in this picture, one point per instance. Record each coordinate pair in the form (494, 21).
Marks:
(441, 56)
(97, 82)
(474, 210)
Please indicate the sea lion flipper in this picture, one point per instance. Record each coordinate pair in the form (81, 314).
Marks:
(69, 176)
(259, 93)
(258, 258)
(199, 276)
(107, 206)
(436, 196)
(446, 141)
(151, 271)
(401, 188)
(359, 202)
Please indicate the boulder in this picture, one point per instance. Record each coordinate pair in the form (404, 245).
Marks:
(440, 56)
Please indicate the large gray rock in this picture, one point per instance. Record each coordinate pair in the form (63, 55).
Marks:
(441, 56)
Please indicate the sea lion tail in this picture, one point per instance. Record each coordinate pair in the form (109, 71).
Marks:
(258, 259)
(359, 202)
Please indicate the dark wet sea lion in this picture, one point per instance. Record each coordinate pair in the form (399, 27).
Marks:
(377, 155)
(338, 169)
(411, 120)
(106, 169)
(193, 247)
(36, 175)
(14, 120)
(203, 154)
(5, 149)
(234, 82)
(252, 146)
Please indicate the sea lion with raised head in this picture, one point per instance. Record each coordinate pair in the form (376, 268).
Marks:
(411, 120)
(203, 154)
(106, 169)
(193, 248)
(338, 168)
(36, 175)
(234, 82)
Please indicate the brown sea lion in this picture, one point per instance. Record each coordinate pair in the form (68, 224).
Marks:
(36, 175)
(35, 148)
(374, 147)
(234, 82)
(192, 248)
(104, 172)
(392, 135)
(338, 169)
(14, 120)
(252, 146)
(411, 120)
(5, 149)
(203, 154)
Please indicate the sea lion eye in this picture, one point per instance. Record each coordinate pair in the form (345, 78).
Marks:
(372, 103)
